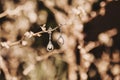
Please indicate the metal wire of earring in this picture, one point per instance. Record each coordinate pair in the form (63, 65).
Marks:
(60, 39)
(50, 46)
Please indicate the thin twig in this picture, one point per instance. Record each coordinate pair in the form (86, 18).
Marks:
(3, 14)
(43, 57)
(11, 12)
(33, 35)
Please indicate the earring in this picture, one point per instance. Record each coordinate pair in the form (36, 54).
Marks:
(60, 39)
(50, 46)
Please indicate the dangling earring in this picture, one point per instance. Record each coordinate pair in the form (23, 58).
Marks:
(50, 46)
(60, 39)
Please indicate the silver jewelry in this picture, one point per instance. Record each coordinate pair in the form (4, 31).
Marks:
(60, 39)
(50, 46)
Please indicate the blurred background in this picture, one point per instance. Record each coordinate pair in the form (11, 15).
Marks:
(90, 31)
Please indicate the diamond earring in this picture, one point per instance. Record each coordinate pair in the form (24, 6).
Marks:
(60, 39)
(50, 46)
